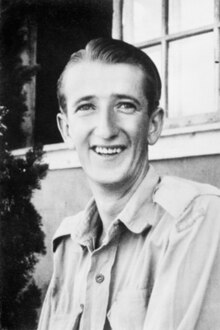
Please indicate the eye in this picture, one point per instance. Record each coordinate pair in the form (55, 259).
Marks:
(85, 107)
(126, 107)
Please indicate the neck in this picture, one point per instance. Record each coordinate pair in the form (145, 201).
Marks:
(111, 199)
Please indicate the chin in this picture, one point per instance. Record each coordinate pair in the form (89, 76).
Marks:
(110, 179)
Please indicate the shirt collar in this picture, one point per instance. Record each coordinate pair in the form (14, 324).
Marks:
(83, 227)
(142, 210)
(139, 213)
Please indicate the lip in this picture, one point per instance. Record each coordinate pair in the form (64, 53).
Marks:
(108, 150)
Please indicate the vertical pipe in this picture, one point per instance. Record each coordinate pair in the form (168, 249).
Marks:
(117, 28)
(217, 52)
(165, 59)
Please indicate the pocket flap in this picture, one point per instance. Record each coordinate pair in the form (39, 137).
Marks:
(128, 310)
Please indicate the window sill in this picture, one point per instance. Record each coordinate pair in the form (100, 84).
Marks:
(189, 141)
(173, 143)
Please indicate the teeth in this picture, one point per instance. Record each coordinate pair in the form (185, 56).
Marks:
(108, 151)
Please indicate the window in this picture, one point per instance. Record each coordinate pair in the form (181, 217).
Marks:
(183, 39)
(62, 28)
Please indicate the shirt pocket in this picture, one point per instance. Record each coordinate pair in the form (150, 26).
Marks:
(65, 321)
(128, 311)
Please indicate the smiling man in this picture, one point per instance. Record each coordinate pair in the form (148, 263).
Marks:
(144, 254)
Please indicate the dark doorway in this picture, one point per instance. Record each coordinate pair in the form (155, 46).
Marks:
(63, 27)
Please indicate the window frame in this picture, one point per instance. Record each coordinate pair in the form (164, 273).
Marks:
(163, 41)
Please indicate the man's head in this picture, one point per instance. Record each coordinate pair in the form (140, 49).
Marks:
(109, 95)
(110, 51)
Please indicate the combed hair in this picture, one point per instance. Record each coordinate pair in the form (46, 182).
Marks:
(111, 51)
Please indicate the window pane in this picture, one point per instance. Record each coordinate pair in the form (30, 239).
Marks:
(191, 76)
(141, 20)
(155, 54)
(189, 14)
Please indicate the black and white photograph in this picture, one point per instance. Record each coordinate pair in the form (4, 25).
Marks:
(109, 164)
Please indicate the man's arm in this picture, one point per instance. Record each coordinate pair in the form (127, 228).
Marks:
(186, 293)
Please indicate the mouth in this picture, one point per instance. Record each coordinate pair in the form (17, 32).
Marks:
(108, 150)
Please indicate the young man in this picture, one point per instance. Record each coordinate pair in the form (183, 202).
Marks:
(144, 254)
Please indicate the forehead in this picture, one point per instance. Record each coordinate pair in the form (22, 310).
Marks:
(100, 78)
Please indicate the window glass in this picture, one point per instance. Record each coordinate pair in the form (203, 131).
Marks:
(142, 20)
(188, 14)
(191, 77)
(154, 53)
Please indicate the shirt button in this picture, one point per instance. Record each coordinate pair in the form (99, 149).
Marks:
(99, 278)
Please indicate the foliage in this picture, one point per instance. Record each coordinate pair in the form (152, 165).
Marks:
(22, 239)
(14, 74)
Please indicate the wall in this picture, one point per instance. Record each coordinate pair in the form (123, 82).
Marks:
(65, 192)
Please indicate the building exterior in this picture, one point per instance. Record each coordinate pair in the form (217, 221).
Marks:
(183, 39)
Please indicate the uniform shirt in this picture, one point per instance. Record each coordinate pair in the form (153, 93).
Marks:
(157, 269)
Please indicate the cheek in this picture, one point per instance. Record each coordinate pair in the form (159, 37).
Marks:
(138, 131)
(77, 130)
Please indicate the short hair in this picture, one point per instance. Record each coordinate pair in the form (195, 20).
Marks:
(112, 51)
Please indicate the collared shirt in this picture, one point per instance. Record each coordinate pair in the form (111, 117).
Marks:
(157, 269)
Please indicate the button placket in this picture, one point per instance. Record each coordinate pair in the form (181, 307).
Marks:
(97, 287)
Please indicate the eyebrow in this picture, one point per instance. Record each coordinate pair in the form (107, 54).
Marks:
(118, 96)
(125, 96)
(85, 98)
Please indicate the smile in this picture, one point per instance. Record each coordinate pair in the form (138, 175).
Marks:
(113, 150)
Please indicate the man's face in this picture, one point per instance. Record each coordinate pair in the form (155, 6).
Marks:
(107, 120)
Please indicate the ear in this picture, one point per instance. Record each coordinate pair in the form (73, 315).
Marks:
(63, 125)
(155, 126)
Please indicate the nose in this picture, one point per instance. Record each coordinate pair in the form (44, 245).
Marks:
(106, 125)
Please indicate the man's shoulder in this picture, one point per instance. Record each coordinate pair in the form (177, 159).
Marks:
(174, 183)
(175, 194)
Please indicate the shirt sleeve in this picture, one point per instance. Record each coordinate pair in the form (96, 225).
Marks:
(44, 321)
(186, 294)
